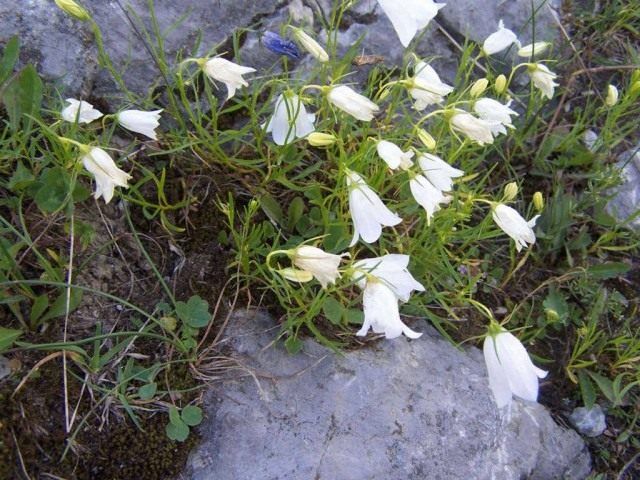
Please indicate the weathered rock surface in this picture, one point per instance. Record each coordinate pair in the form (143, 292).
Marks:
(63, 48)
(398, 410)
(626, 201)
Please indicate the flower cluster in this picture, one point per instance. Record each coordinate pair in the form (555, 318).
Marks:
(470, 115)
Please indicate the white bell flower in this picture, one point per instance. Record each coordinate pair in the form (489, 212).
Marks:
(426, 87)
(322, 265)
(499, 40)
(393, 155)
(409, 16)
(426, 195)
(543, 79)
(439, 173)
(356, 105)
(494, 112)
(368, 212)
(476, 129)
(80, 110)
(227, 72)
(290, 120)
(512, 223)
(510, 369)
(105, 172)
(385, 281)
(140, 121)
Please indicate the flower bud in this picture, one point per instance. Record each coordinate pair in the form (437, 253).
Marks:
(319, 139)
(426, 138)
(296, 275)
(612, 96)
(635, 87)
(479, 87)
(552, 315)
(538, 201)
(310, 45)
(500, 84)
(510, 191)
(73, 9)
(533, 49)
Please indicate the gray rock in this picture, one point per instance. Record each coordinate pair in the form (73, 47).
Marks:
(396, 410)
(63, 48)
(625, 203)
(60, 47)
(590, 422)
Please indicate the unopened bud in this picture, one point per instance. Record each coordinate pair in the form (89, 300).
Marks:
(296, 275)
(510, 191)
(612, 96)
(426, 138)
(533, 49)
(73, 9)
(310, 45)
(552, 315)
(635, 87)
(500, 84)
(538, 201)
(479, 87)
(319, 139)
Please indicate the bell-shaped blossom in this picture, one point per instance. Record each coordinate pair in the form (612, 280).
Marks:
(426, 87)
(140, 121)
(310, 45)
(427, 196)
(439, 173)
(499, 40)
(543, 79)
(279, 45)
(222, 70)
(290, 120)
(512, 223)
(533, 49)
(409, 16)
(393, 155)
(494, 112)
(356, 105)
(79, 110)
(368, 212)
(322, 265)
(385, 281)
(476, 129)
(510, 369)
(105, 172)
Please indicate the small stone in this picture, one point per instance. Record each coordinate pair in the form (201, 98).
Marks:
(589, 422)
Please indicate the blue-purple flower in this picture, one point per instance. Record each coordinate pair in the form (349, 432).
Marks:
(279, 45)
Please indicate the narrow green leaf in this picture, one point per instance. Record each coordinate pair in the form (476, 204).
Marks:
(608, 270)
(146, 392)
(40, 304)
(8, 336)
(333, 310)
(587, 390)
(9, 58)
(58, 308)
(22, 97)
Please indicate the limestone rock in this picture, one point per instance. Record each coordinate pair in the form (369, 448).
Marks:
(397, 410)
(63, 48)
(625, 203)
